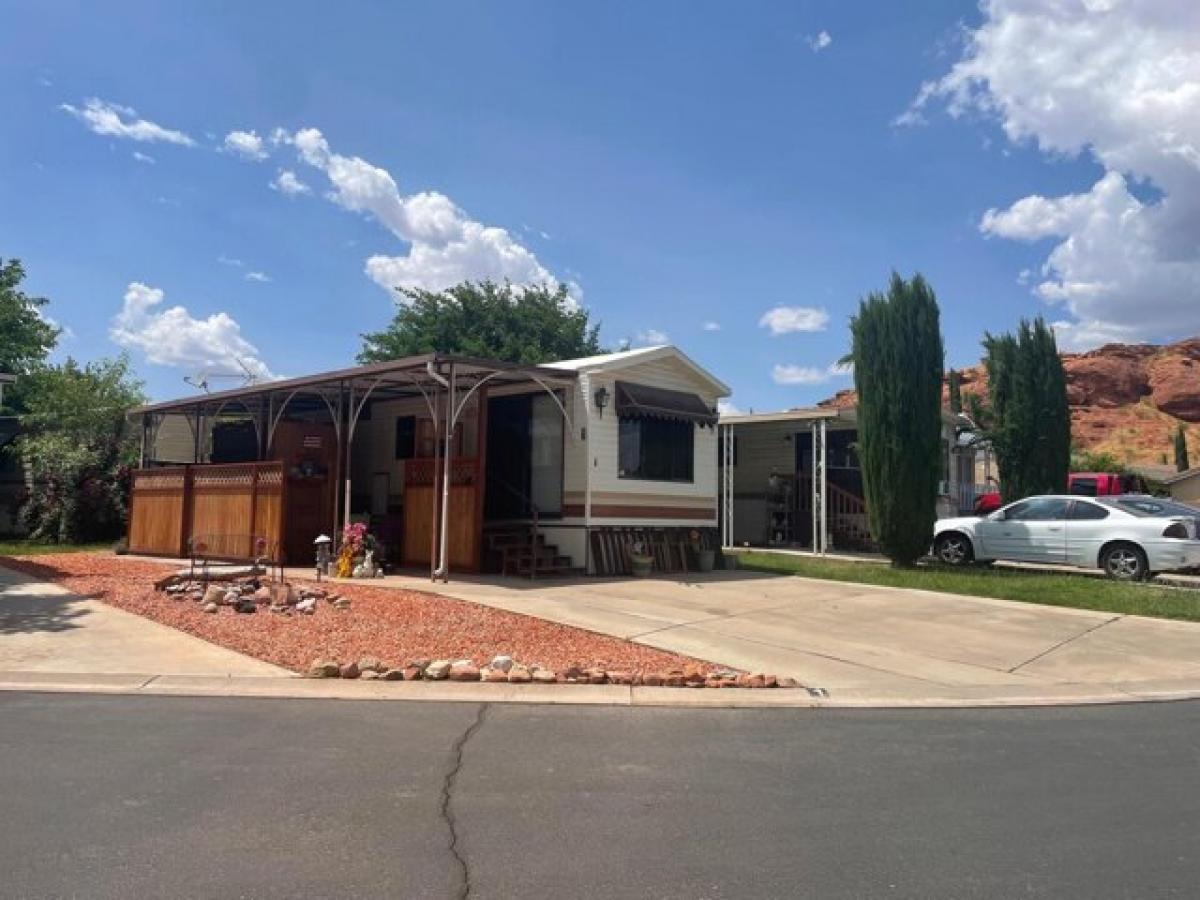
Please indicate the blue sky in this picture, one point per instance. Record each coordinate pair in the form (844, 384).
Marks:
(682, 165)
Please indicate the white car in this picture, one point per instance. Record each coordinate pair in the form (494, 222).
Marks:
(1129, 536)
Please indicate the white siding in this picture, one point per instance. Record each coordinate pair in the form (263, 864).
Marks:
(608, 488)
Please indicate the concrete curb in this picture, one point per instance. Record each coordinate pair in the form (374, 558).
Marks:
(595, 695)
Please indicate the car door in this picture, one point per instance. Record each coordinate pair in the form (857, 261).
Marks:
(1087, 528)
(1032, 530)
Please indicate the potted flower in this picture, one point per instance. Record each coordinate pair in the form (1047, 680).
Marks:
(641, 562)
(705, 557)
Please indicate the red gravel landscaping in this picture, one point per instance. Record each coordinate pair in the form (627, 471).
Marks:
(392, 625)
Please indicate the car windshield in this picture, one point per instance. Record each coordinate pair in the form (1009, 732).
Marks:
(1152, 506)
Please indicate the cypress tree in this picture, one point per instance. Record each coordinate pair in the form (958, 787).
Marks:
(1181, 451)
(954, 384)
(897, 353)
(1030, 419)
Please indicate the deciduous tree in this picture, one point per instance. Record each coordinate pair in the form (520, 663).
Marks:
(485, 319)
(79, 447)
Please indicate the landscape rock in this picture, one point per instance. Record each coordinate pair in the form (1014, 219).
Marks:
(503, 663)
(620, 677)
(210, 607)
(464, 670)
(307, 607)
(652, 679)
(394, 675)
(412, 672)
(437, 670)
(214, 593)
(596, 676)
(519, 675)
(231, 598)
(788, 682)
(493, 675)
(350, 670)
(323, 668)
(543, 676)
(341, 603)
(371, 664)
(370, 675)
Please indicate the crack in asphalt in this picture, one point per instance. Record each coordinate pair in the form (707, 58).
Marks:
(447, 809)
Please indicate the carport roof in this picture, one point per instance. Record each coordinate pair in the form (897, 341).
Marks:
(387, 380)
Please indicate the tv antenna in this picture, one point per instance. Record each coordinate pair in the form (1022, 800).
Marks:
(202, 378)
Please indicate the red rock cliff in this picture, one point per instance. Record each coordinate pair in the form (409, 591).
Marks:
(1126, 399)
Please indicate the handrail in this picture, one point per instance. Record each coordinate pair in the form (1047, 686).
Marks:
(534, 514)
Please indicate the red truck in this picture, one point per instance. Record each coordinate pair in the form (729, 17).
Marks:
(1082, 484)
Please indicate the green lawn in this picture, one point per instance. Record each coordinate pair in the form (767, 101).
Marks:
(1051, 589)
(34, 548)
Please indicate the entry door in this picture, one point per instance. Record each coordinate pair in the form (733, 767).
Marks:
(1032, 530)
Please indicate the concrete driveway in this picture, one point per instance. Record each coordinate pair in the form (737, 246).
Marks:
(44, 628)
(864, 638)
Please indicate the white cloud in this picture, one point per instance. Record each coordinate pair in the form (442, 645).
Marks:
(229, 261)
(651, 337)
(112, 120)
(260, 277)
(246, 144)
(144, 158)
(288, 184)
(711, 326)
(819, 41)
(788, 319)
(172, 337)
(1119, 81)
(445, 245)
(806, 375)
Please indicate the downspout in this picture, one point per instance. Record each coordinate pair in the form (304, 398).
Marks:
(432, 372)
(585, 384)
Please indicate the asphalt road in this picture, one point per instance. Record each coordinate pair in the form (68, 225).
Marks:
(155, 797)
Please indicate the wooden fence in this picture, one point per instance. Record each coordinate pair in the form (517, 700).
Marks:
(235, 510)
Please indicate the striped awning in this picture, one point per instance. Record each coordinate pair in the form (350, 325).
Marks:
(641, 401)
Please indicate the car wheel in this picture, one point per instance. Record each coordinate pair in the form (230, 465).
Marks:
(953, 549)
(1124, 562)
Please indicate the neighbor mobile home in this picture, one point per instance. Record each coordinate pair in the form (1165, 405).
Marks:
(792, 478)
(552, 468)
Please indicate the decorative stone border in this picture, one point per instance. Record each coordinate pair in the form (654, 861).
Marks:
(504, 669)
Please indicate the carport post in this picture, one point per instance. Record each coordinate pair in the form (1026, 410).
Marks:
(444, 524)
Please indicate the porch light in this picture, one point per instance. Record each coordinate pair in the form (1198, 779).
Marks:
(601, 398)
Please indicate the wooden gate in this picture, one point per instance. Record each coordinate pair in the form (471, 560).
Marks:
(422, 499)
(156, 511)
(236, 510)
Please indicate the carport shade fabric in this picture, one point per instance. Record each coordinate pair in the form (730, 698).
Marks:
(640, 401)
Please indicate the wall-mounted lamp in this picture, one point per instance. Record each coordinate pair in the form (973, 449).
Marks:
(601, 398)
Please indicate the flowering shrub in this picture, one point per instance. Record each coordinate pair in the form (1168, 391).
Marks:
(354, 536)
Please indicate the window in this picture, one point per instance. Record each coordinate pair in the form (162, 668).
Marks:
(656, 449)
(406, 437)
(1084, 487)
(1148, 506)
(1041, 509)
(1081, 511)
